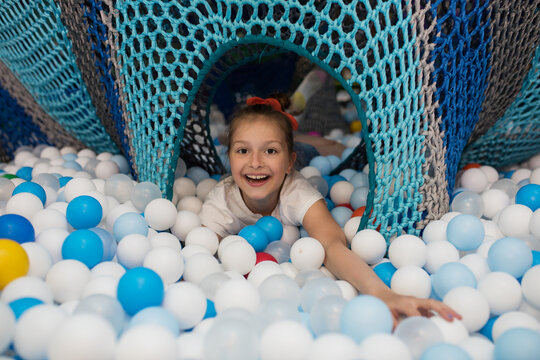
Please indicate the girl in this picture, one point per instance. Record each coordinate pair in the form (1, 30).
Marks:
(263, 182)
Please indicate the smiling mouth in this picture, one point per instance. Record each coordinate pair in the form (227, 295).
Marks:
(256, 179)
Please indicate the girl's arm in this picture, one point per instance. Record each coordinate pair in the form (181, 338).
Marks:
(347, 265)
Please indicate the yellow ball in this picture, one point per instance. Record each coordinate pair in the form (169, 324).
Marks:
(356, 126)
(14, 261)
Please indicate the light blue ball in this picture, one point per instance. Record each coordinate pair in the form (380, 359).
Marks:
(466, 232)
(359, 197)
(322, 164)
(346, 153)
(105, 306)
(359, 180)
(158, 316)
(517, 344)
(32, 188)
(84, 246)
(319, 183)
(468, 202)
(138, 289)
(316, 289)
(122, 163)
(72, 164)
(334, 161)
(129, 223)
(84, 212)
(143, 193)
(510, 255)
(255, 236)
(365, 315)
(451, 275)
(271, 226)
(109, 244)
(197, 174)
(348, 173)
(444, 351)
(325, 314)
(341, 214)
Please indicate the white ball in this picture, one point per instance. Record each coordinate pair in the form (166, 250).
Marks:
(470, 304)
(513, 319)
(83, 336)
(520, 174)
(411, 280)
(474, 179)
(453, 332)
(104, 285)
(535, 176)
(106, 168)
(24, 204)
(285, 339)
(449, 216)
(165, 239)
(309, 171)
(27, 286)
(199, 266)
(7, 319)
(333, 346)
(67, 279)
(477, 264)
(514, 220)
(204, 188)
(203, 236)
(340, 193)
(534, 162)
(262, 271)
(407, 250)
(478, 347)
(166, 262)
(435, 231)
(534, 224)
(146, 341)
(237, 294)
(491, 173)
(77, 187)
(226, 241)
(238, 256)
(289, 269)
(190, 250)
(160, 214)
(108, 268)
(186, 301)
(35, 329)
(440, 253)
(491, 229)
(115, 212)
(49, 219)
(87, 153)
(351, 227)
(384, 346)
(483, 249)
(347, 290)
(50, 152)
(183, 187)
(494, 200)
(185, 222)
(307, 253)
(40, 259)
(530, 285)
(132, 249)
(502, 291)
(370, 245)
(190, 203)
(190, 346)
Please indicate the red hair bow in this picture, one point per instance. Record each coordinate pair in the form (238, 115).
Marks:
(274, 104)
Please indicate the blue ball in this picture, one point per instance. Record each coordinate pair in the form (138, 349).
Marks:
(25, 173)
(70, 157)
(360, 179)
(84, 212)
(20, 305)
(466, 232)
(129, 223)
(508, 174)
(271, 226)
(322, 164)
(138, 289)
(32, 188)
(359, 197)
(329, 204)
(64, 180)
(346, 153)
(332, 179)
(255, 236)
(385, 271)
(72, 164)
(365, 315)
(487, 329)
(529, 195)
(158, 316)
(348, 173)
(456, 192)
(109, 244)
(444, 351)
(334, 161)
(536, 258)
(451, 275)
(341, 214)
(510, 255)
(83, 245)
(16, 227)
(197, 174)
(517, 344)
(210, 309)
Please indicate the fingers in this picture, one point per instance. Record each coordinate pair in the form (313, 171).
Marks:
(440, 308)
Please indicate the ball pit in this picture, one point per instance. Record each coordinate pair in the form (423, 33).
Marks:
(147, 274)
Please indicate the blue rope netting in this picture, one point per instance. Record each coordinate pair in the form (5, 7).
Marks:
(461, 68)
(17, 127)
(520, 127)
(35, 46)
(97, 36)
(166, 50)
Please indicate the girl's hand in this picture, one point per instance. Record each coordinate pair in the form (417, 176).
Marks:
(402, 306)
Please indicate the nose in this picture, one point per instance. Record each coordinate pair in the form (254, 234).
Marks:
(256, 160)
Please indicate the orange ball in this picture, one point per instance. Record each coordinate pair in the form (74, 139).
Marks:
(355, 126)
(471, 166)
(14, 261)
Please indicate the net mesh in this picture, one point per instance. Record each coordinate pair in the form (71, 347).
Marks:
(35, 47)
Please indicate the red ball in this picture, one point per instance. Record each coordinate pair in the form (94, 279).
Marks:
(262, 256)
(346, 205)
(471, 166)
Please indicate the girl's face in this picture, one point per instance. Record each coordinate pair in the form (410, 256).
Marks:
(259, 161)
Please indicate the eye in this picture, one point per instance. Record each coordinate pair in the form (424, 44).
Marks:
(271, 151)
(241, 151)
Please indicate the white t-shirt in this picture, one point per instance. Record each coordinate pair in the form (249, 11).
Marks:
(225, 212)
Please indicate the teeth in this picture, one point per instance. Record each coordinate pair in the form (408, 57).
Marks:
(256, 177)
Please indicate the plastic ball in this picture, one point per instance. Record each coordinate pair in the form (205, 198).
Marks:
(67, 279)
(190, 203)
(84, 212)
(435, 231)
(204, 187)
(528, 195)
(129, 223)
(158, 316)
(231, 338)
(453, 332)
(185, 222)
(468, 202)
(444, 351)
(316, 289)
(184, 187)
(465, 232)
(365, 315)
(439, 253)
(237, 294)
(132, 249)
(477, 264)
(518, 344)
(341, 214)
(502, 291)
(7, 319)
(385, 271)
(325, 314)
(333, 346)
(279, 250)
(514, 220)
(32, 188)
(307, 253)
(17, 228)
(120, 187)
(510, 255)
(6, 189)
(471, 305)
(474, 180)
(255, 236)
(198, 266)
(143, 193)
(411, 280)
(105, 306)
(494, 201)
(511, 320)
(49, 218)
(384, 346)
(39, 258)
(322, 164)
(77, 187)
(450, 276)
(407, 250)
(21, 305)
(139, 288)
(27, 287)
(238, 256)
(271, 226)
(106, 168)
(186, 302)
(418, 333)
(530, 285)
(319, 183)
(203, 236)
(197, 174)
(14, 261)
(24, 204)
(370, 245)
(262, 271)
(340, 193)
(285, 340)
(280, 287)
(166, 262)
(108, 241)
(84, 246)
